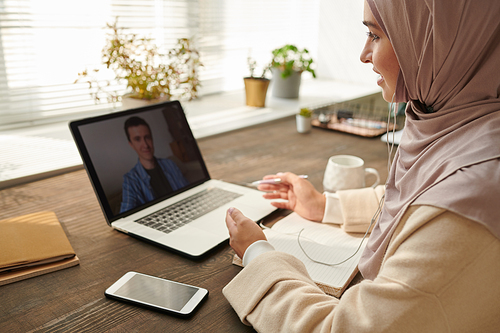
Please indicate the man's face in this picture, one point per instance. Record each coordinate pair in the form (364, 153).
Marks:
(142, 142)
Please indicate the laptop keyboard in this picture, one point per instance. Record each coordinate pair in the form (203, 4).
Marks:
(175, 216)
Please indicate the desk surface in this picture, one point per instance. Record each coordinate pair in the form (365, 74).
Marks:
(73, 299)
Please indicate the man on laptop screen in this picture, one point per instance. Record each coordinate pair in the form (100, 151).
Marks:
(151, 177)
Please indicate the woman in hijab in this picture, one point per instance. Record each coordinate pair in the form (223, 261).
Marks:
(432, 260)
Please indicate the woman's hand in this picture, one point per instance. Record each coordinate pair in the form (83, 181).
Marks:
(242, 231)
(301, 195)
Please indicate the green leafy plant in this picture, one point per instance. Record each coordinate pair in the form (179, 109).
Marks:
(305, 112)
(289, 59)
(148, 73)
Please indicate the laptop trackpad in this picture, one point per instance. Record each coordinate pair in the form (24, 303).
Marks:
(215, 221)
(191, 240)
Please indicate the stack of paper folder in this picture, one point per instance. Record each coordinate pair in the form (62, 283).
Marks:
(32, 245)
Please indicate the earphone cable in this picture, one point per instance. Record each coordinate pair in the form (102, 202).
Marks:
(374, 218)
(393, 108)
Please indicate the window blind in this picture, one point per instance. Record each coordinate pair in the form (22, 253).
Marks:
(45, 44)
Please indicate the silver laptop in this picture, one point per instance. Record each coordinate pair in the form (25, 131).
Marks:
(152, 183)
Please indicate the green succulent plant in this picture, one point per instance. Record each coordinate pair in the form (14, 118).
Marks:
(305, 112)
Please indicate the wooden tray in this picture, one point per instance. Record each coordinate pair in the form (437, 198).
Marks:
(361, 127)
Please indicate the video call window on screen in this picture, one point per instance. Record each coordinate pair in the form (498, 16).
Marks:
(142, 157)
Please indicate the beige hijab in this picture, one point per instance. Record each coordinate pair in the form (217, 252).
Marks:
(449, 156)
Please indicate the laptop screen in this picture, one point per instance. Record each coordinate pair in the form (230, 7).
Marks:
(138, 157)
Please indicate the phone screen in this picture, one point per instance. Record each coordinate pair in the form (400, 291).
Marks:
(159, 292)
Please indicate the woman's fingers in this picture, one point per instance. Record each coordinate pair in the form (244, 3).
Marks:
(271, 187)
(236, 215)
(282, 205)
(275, 195)
(242, 231)
(230, 223)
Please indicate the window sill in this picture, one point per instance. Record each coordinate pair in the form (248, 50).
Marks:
(37, 152)
(215, 114)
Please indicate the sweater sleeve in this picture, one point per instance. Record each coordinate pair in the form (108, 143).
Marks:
(423, 285)
(359, 207)
(353, 209)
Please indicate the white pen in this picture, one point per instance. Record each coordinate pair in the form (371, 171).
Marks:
(272, 181)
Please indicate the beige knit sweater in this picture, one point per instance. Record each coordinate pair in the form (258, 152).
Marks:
(441, 273)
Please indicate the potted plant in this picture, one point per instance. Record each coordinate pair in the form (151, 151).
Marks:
(304, 120)
(287, 65)
(150, 76)
(256, 87)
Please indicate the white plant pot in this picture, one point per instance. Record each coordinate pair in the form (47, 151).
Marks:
(303, 124)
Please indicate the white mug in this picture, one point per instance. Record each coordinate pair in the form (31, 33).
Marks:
(345, 172)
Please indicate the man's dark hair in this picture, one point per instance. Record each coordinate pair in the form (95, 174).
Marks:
(134, 121)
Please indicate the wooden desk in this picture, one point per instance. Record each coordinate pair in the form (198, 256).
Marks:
(73, 299)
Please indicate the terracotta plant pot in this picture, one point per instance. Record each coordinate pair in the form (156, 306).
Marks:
(256, 91)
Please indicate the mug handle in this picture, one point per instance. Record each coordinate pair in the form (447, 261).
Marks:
(373, 172)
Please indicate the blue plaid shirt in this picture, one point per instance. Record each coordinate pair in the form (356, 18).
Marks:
(136, 188)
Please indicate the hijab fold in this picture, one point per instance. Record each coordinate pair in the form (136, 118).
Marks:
(449, 57)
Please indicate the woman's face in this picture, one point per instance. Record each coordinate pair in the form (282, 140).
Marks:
(379, 52)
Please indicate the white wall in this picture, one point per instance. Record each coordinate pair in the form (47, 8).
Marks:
(341, 39)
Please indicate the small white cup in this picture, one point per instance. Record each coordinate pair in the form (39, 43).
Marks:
(345, 172)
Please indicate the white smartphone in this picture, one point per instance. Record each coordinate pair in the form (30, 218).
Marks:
(157, 293)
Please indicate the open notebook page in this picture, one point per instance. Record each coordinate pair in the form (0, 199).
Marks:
(323, 242)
